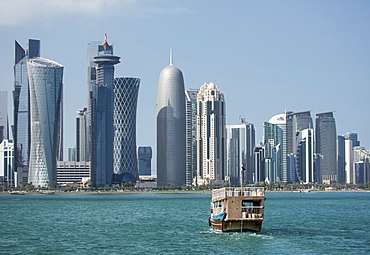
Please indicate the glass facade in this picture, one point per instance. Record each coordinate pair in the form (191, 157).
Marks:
(144, 154)
(46, 106)
(82, 141)
(4, 134)
(125, 167)
(326, 147)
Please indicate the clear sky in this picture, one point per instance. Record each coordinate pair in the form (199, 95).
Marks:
(265, 56)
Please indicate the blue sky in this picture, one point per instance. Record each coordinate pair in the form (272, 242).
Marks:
(265, 56)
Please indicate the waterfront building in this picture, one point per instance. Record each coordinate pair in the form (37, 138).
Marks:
(326, 146)
(7, 175)
(82, 139)
(259, 165)
(341, 159)
(296, 122)
(101, 114)
(69, 172)
(361, 159)
(72, 153)
(191, 135)
(275, 141)
(4, 125)
(211, 135)
(21, 100)
(171, 117)
(144, 155)
(126, 90)
(46, 116)
(240, 149)
(305, 156)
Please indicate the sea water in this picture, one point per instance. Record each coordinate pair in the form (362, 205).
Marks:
(177, 223)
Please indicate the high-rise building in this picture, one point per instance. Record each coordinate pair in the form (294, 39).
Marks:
(211, 135)
(101, 114)
(275, 141)
(144, 155)
(4, 133)
(341, 152)
(72, 153)
(296, 122)
(126, 90)
(191, 135)
(326, 146)
(305, 156)
(345, 157)
(21, 100)
(240, 152)
(82, 139)
(259, 164)
(46, 108)
(6, 163)
(171, 117)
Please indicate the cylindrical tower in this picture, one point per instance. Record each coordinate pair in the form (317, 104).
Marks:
(171, 116)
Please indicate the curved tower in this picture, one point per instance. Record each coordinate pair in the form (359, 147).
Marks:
(171, 127)
(46, 106)
(126, 91)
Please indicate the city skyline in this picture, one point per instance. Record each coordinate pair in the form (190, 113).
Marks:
(266, 57)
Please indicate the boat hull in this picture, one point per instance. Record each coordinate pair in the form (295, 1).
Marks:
(245, 225)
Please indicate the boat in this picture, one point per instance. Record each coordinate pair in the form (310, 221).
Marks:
(17, 193)
(237, 209)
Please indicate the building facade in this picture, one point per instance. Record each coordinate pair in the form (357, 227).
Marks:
(144, 155)
(7, 175)
(240, 153)
(326, 146)
(4, 125)
(101, 114)
(126, 90)
(46, 117)
(171, 127)
(211, 135)
(191, 135)
(305, 156)
(82, 139)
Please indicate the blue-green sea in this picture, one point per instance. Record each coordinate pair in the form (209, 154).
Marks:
(164, 223)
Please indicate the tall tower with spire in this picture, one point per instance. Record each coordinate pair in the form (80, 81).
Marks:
(101, 131)
(171, 116)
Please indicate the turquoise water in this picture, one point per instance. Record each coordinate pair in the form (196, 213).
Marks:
(153, 223)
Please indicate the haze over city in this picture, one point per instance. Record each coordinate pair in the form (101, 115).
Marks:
(266, 56)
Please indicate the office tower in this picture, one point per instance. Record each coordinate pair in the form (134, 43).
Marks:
(211, 135)
(144, 155)
(305, 156)
(191, 135)
(46, 106)
(6, 163)
(4, 133)
(21, 100)
(296, 122)
(92, 51)
(326, 146)
(72, 153)
(126, 90)
(101, 114)
(275, 141)
(259, 165)
(240, 149)
(361, 159)
(171, 116)
(82, 139)
(341, 159)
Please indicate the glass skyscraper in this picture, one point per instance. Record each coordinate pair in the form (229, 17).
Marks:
(144, 154)
(101, 114)
(21, 100)
(171, 117)
(326, 146)
(4, 134)
(126, 91)
(46, 106)
(82, 139)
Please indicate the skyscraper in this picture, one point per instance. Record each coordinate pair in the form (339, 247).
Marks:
(6, 163)
(326, 147)
(21, 100)
(101, 114)
(304, 156)
(46, 106)
(82, 139)
(171, 116)
(191, 135)
(275, 141)
(211, 135)
(4, 134)
(126, 91)
(240, 152)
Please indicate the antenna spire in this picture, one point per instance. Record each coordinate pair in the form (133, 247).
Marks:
(105, 37)
(171, 57)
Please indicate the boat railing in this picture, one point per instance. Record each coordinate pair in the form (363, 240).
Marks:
(252, 212)
(236, 192)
